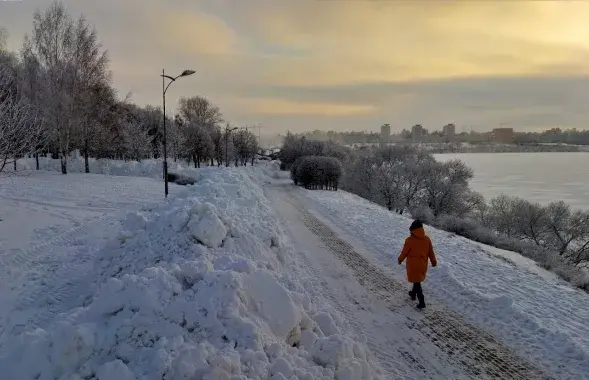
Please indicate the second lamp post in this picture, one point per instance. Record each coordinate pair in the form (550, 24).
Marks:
(185, 73)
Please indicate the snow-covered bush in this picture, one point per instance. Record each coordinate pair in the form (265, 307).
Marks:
(473, 230)
(293, 170)
(294, 147)
(318, 172)
(205, 287)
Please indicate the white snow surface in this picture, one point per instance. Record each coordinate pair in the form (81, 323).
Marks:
(529, 308)
(145, 168)
(51, 228)
(201, 287)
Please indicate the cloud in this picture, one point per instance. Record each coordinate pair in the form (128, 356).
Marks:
(471, 103)
(349, 64)
(194, 33)
(373, 41)
(283, 107)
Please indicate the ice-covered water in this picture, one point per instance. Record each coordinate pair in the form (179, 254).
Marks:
(540, 177)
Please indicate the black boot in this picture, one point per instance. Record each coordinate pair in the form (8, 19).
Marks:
(412, 295)
(421, 303)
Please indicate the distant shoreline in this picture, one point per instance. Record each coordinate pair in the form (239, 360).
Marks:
(449, 148)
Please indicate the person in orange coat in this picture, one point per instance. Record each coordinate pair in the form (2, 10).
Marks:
(417, 250)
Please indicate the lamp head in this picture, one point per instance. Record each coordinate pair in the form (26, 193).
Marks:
(186, 73)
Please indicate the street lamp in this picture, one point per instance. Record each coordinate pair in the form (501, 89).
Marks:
(227, 130)
(185, 73)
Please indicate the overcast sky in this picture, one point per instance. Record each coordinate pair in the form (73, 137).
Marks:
(349, 65)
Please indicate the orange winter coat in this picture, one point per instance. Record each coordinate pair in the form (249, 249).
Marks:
(417, 250)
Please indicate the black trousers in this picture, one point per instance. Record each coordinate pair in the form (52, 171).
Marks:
(417, 288)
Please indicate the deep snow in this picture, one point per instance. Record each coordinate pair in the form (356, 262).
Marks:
(220, 282)
(200, 287)
(146, 168)
(51, 227)
(527, 307)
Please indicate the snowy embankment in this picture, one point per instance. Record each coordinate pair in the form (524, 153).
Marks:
(507, 294)
(203, 287)
(146, 168)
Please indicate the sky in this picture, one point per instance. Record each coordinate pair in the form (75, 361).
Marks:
(301, 65)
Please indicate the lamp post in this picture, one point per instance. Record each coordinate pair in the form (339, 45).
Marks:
(185, 73)
(227, 130)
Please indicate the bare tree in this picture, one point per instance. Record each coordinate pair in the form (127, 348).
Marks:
(91, 83)
(200, 111)
(21, 128)
(176, 137)
(445, 185)
(530, 220)
(253, 146)
(388, 185)
(579, 249)
(361, 174)
(137, 141)
(151, 117)
(111, 117)
(501, 215)
(32, 83)
(562, 232)
(228, 150)
(51, 43)
(246, 145)
(218, 140)
(197, 143)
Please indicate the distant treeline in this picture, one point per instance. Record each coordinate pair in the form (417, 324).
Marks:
(552, 136)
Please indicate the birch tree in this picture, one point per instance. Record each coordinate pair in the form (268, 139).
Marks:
(90, 83)
(51, 42)
(21, 127)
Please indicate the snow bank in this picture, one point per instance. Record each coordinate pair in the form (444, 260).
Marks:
(146, 168)
(202, 288)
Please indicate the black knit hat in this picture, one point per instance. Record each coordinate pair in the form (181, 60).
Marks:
(415, 225)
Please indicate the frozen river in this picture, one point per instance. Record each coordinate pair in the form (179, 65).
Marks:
(540, 177)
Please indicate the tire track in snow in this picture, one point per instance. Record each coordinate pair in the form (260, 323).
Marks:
(478, 353)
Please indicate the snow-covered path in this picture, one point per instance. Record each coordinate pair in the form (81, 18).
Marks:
(434, 344)
(51, 228)
(527, 308)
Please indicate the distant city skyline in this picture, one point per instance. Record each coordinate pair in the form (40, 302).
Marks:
(348, 65)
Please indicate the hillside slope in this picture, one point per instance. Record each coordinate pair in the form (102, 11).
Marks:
(527, 309)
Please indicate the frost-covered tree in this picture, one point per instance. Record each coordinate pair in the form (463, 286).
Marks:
(176, 137)
(246, 146)
(32, 83)
(90, 82)
(137, 141)
(51, 44)
(75, 64)
(565, 226)
(318, 172)
(445, 186)
(21, 127)
(198, 144)
(218, 139)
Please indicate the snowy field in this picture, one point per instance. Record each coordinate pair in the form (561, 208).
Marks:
(51, 227)
(245, 276)
(146, 168)
(529, 308)
(201, 286)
